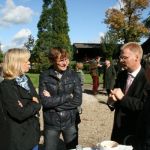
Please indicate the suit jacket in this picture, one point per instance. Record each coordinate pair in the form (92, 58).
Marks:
(19, 126)
(143, 128)
(127, 110)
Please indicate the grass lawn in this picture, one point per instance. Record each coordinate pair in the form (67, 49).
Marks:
(35, 79)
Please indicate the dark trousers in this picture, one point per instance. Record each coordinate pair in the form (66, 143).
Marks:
(51, 140)
(95, 84)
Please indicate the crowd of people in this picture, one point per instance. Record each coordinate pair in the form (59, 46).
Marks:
(60, 97)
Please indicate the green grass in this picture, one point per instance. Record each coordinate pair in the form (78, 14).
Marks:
(35, 79)
(87, 79)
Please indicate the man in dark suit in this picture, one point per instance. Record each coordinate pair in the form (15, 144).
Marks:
(127, 96)
(143, 128)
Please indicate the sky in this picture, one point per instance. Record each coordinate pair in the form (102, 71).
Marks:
(19, 18)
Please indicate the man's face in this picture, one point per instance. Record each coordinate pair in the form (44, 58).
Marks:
(129, 60)
(61, 64)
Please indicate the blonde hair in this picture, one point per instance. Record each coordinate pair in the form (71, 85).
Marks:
(134, 47)
(12, 62)
(79, 65)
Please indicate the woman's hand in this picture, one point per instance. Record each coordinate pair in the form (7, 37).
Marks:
(34, 99)
(46, 93)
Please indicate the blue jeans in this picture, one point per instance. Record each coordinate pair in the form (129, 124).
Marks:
(35, 147)
(52, 138)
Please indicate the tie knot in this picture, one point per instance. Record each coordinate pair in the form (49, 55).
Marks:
(130, 75)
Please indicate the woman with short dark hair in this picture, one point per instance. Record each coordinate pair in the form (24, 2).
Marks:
(61, 93)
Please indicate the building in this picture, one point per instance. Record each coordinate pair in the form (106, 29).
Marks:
(86, 51)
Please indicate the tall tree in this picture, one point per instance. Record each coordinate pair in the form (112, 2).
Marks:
(147, 21)
(109, 44)
(30, 43)
(1, 54)
(60, 26)
(126, 21)
(52, 30)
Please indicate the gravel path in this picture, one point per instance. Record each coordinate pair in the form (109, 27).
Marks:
(96, 120)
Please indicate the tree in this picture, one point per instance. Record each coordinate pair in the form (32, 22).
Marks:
(1, 54)
(109, 44)
(60, 26)
(30, 43)
(126, 21)
(147, 22)
(52, 30)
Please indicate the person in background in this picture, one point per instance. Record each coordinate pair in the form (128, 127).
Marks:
(127, 96)
(93, 68)
(19, 104)
(109, 76)
(79, 70)
(61, 93)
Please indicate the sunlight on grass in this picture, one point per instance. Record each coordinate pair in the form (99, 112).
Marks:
(35, 79)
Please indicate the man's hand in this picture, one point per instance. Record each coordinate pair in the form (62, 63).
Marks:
(117, 92)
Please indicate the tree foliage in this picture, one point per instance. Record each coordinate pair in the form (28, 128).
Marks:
(109, 44)
(126, 21)
(60, 26)
(1, 54)
(52, 31)
(147, 22)
(30, 43)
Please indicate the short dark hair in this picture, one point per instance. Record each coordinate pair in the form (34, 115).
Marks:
(55, 52)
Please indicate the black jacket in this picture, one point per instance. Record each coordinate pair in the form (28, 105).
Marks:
(143, 126)
(60, 108)
(19, 126)
(127, 111)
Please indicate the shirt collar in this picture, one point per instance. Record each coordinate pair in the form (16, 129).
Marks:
(134, 73)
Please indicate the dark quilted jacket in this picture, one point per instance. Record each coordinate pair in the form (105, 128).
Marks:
(60, 108)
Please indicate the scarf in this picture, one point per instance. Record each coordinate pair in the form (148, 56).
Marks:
(23, 82)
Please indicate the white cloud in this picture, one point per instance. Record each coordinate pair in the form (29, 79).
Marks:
(12, 14)
(101, 34)
(98, 39)
(118, 5)
(5, 47)
(18, 40)
(21, 37)
(92, 40)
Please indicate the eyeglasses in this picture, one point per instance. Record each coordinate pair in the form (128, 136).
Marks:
(123, 57)
(62, 60)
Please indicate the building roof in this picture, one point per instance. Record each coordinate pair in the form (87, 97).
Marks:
(86, 45)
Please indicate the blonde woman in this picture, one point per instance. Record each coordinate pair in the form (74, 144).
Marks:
(19, 125)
